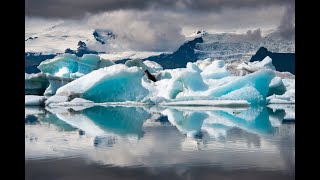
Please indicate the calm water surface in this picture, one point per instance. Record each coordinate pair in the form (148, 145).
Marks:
(160, 143)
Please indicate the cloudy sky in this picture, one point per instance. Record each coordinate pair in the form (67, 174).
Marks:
(169, 20)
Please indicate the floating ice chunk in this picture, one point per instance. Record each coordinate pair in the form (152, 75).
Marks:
(288, 97)
(276, 86)
(215, 70)
(266, 63)
(116, 83)
(61, 65)
(33, 100)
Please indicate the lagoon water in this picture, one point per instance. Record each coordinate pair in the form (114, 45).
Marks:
(122, 142)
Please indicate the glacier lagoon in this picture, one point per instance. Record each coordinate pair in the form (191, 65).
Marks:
(176, 142)
(91, 118)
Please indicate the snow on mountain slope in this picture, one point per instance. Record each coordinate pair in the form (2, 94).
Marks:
(55, 37)
(228, 46)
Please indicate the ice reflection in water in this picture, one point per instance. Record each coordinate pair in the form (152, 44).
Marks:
(257, 137)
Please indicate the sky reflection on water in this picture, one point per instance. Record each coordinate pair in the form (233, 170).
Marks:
(256, 137)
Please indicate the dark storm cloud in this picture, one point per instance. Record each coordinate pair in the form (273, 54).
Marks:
(78, 8)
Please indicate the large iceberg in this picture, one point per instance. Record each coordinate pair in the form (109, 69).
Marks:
(112, 84)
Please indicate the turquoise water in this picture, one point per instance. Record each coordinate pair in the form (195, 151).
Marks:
(160, 142)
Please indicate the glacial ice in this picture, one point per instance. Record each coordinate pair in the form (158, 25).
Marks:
(215, 70)
(276, 86)
(71, 66)
(64, 68)
(88, 63)
(286, 98)
(61, 65)
(205, 82)
(116, 83)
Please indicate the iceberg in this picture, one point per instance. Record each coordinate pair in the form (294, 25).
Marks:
(286, 98)
(276, 86)
(70, 66)
(61, 65)
(188, 84)
(64, 68)
(116, 83)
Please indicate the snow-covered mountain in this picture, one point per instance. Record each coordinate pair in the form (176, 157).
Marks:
(53, 39)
